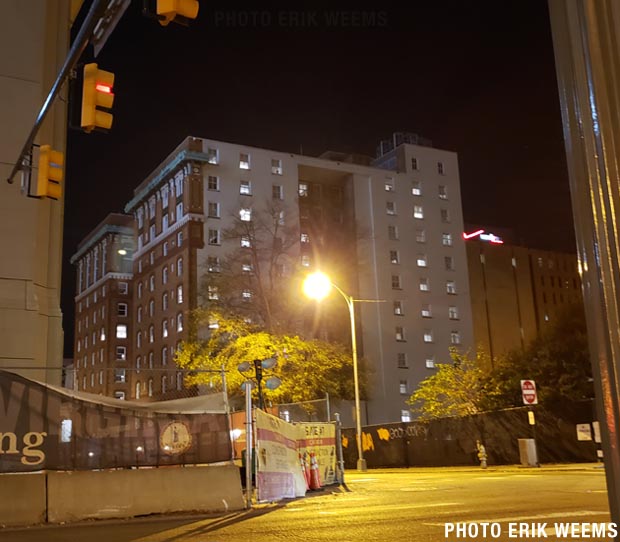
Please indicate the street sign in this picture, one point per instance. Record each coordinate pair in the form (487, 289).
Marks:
(528, 391)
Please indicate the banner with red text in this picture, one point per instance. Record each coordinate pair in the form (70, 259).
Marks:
(320, 439)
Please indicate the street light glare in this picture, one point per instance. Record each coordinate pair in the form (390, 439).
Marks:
(317, 286)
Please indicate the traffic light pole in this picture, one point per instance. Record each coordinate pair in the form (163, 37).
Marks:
(97, 10)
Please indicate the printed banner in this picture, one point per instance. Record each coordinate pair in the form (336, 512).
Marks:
(320, 439)
(279, 474)
(45, 428)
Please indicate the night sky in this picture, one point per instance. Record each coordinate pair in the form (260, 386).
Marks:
(477, 78)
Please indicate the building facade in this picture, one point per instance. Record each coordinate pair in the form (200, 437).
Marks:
(387, 231)
(517, 292)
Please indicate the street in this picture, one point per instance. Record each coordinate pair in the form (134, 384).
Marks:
(383, 505)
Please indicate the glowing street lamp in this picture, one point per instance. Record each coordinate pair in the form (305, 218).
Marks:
(317, 286)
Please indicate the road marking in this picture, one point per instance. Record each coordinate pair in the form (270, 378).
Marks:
(363, 480)
(418, 488)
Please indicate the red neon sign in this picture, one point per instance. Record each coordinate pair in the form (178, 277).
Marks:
(102, 87)
(490, 237)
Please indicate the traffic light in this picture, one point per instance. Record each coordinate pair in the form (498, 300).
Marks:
(168, 10)
(96, 93)
(50, 174)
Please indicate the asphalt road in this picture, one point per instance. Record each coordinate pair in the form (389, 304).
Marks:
(380, 505)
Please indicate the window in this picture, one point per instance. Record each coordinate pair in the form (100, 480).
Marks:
(179, 381)
(399, 333)
(214, 237)
(443, 191)
(213, 209)
(246, 295)
(164, 329)
(445, 215)
(401, 359)
(305, 260)
(121, 331)
(119, 375)
(418, 211)
(398, 308)
(151, 334)
(416, 188)
(120, 395)
(179, 210)
(165, 222)
(150, 360)
(164, 275)
(390, 207)
(152, 233)
(277, 191)
(281, 218)
(123, 288)
(394, 256)
(179, 294)
(246, 267)
(305, 238)
(446, 239)
(151, 308)
(424, 286)
(440, 168)
(303, 190)
(213, 293)
(213, 183)
(213, 264)
(101, 335)
(396, 285)
(179, 238)
(179, 267)
(213, 156)
(139, 339)
(402, 387)
(426, 311)
(449, 263)
(245, 189)
(150, 387)
(421, 260)
(276, 166)
(455, 337)
(137, 390)
(164, 356)
(392, 233)
(428, 336)
(164, 301)
(244, 161)
(245, 241)
(450, 287)
(405, 416)
(152, 257)
(420, 236)
(453, 313)
(430, 363)
(245, 214)
(179, 322)
(414, 163)
(164, 383)
(121, 353)
(389, 186)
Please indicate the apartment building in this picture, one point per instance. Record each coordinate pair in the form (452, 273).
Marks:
(387, 230)
(516, 292)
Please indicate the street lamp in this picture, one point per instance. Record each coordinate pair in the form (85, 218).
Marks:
(317, 286)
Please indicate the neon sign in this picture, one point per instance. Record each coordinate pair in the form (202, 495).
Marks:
(484, 236)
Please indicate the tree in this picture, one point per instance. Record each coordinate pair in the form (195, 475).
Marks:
(558, 361)
(459, 388)
(308, 368)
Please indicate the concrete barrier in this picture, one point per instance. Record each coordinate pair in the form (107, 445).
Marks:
(78, 495)
(22, 499)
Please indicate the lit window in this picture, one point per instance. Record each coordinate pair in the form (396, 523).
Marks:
(451, 287)
(121, 353)
(390, 208)
(420, 236)
(453, 313)
(277, 191)
(245, 241)
(446, 239)
(179, 322)
(179, 239)
(455, 337)
(164, 329)
(402, 387)
(120, 395)
(430, 363)
(150, 387)
(396, 282)
(245, 188)
(246, 267)
(303, 190)
(401, 358)
(119, 375)
(179, 267)
(244, 161)
(151, 307)
(121, 331)
(213, 156)
(305, 238)
(213, 183)
(213, 293)
(214, 236)
(394, 256)
(443, 191)
(428, 336)
(246, 295)
(389, 186)
(213, 264)
(280, 218)
(421, 260)
(276, 166)
(214, 209)
(305, 260)
(137, 390)
(424, 286)
(150, 360)
(102, 335)
(151, 334)
(164, 301)
(152, 283)
(245, 214)
(164, 356)
(426, 311)
(405, 416)
(398, 308)
(392, 233)
(416, 188)
(399, 333)
(418, 211)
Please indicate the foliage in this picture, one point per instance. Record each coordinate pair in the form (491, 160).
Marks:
(308, 368)
(459, 388)
(558, 361)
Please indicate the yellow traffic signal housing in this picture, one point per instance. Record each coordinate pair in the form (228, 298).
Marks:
(49, 178)
(96, 93)
(169, 9)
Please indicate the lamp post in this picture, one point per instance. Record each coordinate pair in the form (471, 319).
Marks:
(317, 286)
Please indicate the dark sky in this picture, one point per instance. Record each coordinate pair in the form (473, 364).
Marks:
(475, 77)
